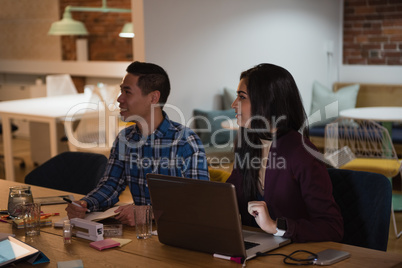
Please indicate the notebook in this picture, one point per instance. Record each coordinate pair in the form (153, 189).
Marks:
(203, 216)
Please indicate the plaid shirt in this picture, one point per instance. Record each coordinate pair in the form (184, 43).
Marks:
(172, 149)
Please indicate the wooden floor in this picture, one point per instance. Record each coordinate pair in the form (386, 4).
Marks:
(21, 148)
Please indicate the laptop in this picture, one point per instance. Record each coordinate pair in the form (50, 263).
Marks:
(203, 216)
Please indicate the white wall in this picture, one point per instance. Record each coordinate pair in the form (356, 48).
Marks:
(205, 45)
(375, 74)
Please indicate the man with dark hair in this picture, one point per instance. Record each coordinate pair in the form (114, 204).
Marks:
(154, 144)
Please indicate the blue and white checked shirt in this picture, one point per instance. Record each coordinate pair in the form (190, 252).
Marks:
(172, 149)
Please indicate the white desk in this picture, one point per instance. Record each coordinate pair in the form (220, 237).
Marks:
(48, 110)
(383, 114)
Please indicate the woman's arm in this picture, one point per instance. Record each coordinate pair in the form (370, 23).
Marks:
(323, 221)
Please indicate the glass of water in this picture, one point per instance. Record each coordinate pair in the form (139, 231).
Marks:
(18, 195)
(31, 216)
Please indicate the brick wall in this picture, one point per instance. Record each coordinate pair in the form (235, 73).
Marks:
(372, 32)
(104, 43)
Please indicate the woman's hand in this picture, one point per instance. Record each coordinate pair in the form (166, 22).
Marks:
(126, 215)
(259, 210)
(74, 211)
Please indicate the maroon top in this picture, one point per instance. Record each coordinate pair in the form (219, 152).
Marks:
(297, 188)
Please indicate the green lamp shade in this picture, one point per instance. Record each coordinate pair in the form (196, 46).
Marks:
(67, 26)
(127, 30)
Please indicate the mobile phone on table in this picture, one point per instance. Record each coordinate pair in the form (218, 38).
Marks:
(331, 256)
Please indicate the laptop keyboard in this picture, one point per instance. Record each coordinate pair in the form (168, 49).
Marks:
(249, 245)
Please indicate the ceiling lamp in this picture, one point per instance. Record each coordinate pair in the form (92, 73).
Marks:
(69, 26)
(127, 30)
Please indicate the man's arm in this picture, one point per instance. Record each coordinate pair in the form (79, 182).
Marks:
(107, 192)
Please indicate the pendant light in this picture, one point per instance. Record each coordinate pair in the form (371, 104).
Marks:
(69, 26)
(127, 31)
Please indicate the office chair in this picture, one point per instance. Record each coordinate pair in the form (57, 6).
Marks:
(13, 129)
(98, 126)
(362, 145)
(60, 84)
(56, 85)
(76, 172)
(365, 200)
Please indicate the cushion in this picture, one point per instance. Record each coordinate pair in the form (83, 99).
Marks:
(229, 96)
(397, 135)
(387, 167)
(317, 131)
(218, 175)
(324, 99)
(209, 129)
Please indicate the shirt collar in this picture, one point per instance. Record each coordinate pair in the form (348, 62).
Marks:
(159, 132)
(163, 128)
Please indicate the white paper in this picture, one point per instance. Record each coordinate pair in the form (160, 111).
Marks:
(96, 216)
(93, 216)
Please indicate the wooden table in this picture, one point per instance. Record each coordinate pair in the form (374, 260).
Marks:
(151, 253)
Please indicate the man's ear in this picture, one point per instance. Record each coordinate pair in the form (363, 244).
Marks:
(155, 95)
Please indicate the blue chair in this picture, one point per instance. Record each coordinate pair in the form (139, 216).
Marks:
(365, 202)
(76, 172)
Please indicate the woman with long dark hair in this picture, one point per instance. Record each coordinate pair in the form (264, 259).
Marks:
(280, 186)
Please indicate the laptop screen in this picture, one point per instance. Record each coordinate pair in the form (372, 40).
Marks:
(197, 215)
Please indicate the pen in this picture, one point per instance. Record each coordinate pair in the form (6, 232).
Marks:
(50, 214)
(235, 259)
(4, 211)
(71, 202)
(47, 215)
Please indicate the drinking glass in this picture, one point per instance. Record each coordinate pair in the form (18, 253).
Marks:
(31, 216)
(18, 195)
(143, 221)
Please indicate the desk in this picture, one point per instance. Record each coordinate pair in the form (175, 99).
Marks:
(48, 110)
(386, 115)
(383, 114)
(151, 253)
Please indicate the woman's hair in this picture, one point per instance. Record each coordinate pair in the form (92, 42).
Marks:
(275, 105)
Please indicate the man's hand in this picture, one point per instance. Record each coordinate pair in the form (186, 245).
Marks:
(126, 215)
(74, 211)
(259, 210)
